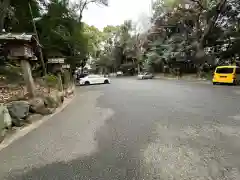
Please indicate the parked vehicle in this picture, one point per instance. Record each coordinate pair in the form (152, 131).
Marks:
(94, 79)
(226, 74)
(119, 73)
(79, 76)
(145, 75)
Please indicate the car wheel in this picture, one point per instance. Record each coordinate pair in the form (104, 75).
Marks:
(234, 83)
(237, 82)
(214, 83)
(87, 83)
(106, 82)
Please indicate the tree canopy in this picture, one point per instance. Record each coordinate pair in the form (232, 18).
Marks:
(200, 30)
(59, 27)
(181, 31)
(195, 31)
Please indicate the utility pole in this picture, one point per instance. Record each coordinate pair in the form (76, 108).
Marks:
(35, 31)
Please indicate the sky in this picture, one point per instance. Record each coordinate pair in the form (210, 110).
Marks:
(116, 12)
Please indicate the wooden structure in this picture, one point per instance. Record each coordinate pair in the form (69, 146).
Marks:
(58, 69)
(68, 81)
(66, 66)
(21, 47)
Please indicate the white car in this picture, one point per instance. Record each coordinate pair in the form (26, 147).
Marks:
(145, 75)
(94, 79)
(119, 73)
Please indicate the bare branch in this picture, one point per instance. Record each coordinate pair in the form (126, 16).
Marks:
(199, 3)
(83, 5)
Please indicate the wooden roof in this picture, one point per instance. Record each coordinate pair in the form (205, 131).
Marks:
(19, 37)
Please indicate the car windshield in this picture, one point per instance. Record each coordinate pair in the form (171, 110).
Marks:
(82, 75)
(94, 76)
(224, 70)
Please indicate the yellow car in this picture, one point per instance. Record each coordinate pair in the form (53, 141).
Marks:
(226, 74)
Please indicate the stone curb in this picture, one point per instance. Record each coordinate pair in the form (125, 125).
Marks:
(21, 132)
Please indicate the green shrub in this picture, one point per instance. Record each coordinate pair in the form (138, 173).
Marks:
(66, 79)
(51, 80)
(11, 74)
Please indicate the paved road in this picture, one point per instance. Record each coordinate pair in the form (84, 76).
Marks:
(135, 130)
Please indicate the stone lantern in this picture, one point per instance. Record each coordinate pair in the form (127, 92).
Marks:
(21, 47)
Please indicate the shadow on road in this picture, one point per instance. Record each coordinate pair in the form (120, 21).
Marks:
(88, 168)
(111, 161)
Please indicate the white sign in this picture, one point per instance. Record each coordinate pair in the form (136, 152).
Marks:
(56, 60)
(66, 66)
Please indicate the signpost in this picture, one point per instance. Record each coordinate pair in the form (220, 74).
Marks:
(57, 68)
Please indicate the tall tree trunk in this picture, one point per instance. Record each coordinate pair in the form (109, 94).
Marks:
(209, 28)
(4, 5)
(200, 54)
(82, 5)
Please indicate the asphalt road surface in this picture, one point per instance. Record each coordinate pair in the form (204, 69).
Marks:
(134, 130)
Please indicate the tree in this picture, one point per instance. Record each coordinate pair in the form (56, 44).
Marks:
(59, 31)
(6, 11)
(23, 20)
(95, 37)
(107, 54)
(196, 29)
(118, 49)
